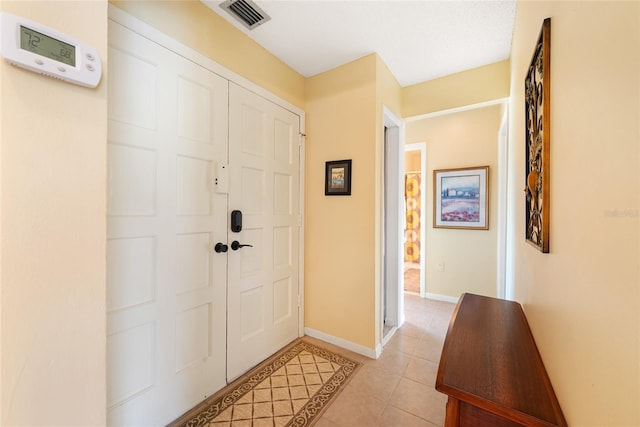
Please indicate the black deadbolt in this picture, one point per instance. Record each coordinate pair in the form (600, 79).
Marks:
(236, 221)
(220, 247)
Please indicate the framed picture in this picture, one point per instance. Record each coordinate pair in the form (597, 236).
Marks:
(461, 198)
(337, 180)
(537, 132)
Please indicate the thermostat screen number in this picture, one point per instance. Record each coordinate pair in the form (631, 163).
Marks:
(46, 46)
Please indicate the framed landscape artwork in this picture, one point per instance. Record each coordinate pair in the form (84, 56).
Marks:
(537, 133)
(337, 178)
(461, 198)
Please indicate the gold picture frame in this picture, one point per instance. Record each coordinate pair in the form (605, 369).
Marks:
(461, 198)
(537, 139)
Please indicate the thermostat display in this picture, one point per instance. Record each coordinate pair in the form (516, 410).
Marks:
(44, 45)
(47, 51)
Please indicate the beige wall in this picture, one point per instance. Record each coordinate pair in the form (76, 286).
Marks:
(464, 139)
(52, 246)
(412, 160)
(470, 87)
(198, 27)
(339, 230)
(582, 299)
(342, 233)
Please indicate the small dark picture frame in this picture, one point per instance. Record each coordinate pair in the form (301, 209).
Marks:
(337, 178)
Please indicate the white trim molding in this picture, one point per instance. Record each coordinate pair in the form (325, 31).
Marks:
(347, 345)
(444, 298)
(456, 110)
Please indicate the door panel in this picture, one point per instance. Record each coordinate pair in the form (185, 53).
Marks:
(166, 287)
(263, 279)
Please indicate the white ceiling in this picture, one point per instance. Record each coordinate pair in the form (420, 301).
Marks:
(419, 40)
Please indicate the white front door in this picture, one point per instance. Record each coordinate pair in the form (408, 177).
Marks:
(263, 279)
(166, 297)
(182, 318)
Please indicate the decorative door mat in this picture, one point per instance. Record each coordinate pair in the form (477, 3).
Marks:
(292, 388)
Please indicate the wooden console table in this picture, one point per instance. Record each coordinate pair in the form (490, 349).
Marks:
(491, 369)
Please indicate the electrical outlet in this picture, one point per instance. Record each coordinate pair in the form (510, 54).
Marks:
(441, 266)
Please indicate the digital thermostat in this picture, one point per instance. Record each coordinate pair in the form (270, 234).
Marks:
(46, 51)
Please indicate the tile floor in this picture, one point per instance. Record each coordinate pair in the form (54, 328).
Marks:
(398, 389)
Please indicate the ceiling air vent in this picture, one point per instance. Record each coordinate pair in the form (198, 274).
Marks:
(246, 11)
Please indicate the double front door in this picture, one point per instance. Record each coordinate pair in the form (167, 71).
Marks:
(186, 148)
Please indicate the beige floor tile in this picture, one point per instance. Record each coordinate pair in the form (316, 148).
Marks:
(400, 384)
(355, 408)
(429, 348)
(325, 422)
(379, 383)
(402, 343)
(419, 400)
(394, 417)
(418, 317)
(391, 360)
(411, 330)
(422, 371)
(439, 326)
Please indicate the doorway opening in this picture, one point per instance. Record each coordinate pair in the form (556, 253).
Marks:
(392, 300)
(415, 184)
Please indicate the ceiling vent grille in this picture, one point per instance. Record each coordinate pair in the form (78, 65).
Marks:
(246, 11)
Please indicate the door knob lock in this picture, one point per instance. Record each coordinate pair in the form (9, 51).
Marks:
(235, 245)
(220, 247)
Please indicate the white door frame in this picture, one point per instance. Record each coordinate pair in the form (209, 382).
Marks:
(392, 225)
(504, 285)
(422, 147)
(121, 17)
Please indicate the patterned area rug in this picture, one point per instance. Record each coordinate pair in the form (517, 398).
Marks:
(291, 389)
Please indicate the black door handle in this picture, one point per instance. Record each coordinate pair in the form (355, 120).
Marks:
(220, 247)
(235, 245)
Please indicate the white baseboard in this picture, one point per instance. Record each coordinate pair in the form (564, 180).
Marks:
(386, 338)
(444, 298)
(348, 345)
